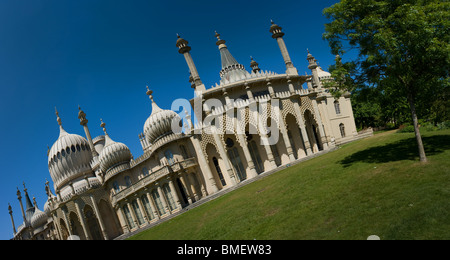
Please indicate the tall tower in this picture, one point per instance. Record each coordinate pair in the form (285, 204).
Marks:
(278, 35)
(19, 197)
(184, 49)
(12, 219)
(312, 65)
(83, 122)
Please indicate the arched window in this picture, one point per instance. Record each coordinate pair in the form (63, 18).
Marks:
(219, 171)
(116, 187)
(159, 205)
(145, 171)
(256, 158)
(169, 156)
(127, 181)
(138, 212)
(147, 206)
(291, 141)
(128, 217)
(169, 196)
(233, 154)
(337, 107)
(342, 129)
(184, 152)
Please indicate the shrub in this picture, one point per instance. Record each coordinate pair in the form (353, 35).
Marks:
(406, 129)
(443, 125)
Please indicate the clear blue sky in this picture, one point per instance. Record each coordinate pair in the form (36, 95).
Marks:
(100, 54)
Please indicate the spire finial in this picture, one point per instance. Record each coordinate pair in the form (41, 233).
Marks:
(219, 41)
(149, 93)
(57, 117)
(24, 188)
(271, 21)
(102, 125)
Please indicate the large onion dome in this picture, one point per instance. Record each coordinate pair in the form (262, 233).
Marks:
(159, 123)
(113, 154)
(39, 217)
(69, 158)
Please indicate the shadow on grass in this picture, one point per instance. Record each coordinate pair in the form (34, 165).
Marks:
(405, 149)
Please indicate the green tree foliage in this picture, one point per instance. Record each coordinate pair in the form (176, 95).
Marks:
(404, 51)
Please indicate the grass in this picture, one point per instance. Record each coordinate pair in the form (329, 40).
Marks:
(374, 186)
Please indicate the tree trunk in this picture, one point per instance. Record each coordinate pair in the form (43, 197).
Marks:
(422, 156)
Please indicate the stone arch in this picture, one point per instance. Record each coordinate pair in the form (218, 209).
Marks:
(75, 225)
(92, 224)
(295, 136)
(109, 219)
(217, 166)
(236, 156)
(312, 131)
(63, 229)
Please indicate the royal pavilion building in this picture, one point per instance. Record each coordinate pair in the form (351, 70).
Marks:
(250, 123)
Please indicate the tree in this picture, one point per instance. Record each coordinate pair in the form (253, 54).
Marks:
(403, 45)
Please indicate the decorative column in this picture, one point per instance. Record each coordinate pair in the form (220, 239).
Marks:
(253, 112)
(82, 221)
(191, 177)
(174, 193)
(224, 155)
(100, 220)
(285, 135)
(153, 206)
(163, 198)
(69, 227)
(251, 165)
(187, 186)
(83, 122)
(122, 220)
(12, 219)
(142, 209)
(278, 35)
(133, 214)
(19, 197)
(323, 137)
(301, 125)
(184, 49)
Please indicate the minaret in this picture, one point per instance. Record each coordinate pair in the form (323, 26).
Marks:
(83, 122)
(12, 219)
(312, 65)
(19, 197)
(254, 65)
(184, 49)
(278, 35)
(231, 69)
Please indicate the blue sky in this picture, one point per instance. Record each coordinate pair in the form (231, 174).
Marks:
(100, 54)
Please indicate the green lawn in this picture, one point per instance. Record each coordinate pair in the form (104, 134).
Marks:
(374, 186)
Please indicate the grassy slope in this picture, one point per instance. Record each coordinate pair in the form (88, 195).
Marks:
(372, 186)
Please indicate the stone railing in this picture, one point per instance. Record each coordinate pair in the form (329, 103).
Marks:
(153, 177)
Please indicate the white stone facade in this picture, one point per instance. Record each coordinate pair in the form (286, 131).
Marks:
(114, 193)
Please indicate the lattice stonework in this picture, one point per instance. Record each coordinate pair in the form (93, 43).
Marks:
(206, 139)
(288, 108)
(306, 104)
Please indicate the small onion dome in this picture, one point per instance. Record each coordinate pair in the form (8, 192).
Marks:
(69, 157)
(323, 74)
(159, 123)
(113, 154)
(39, 218)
